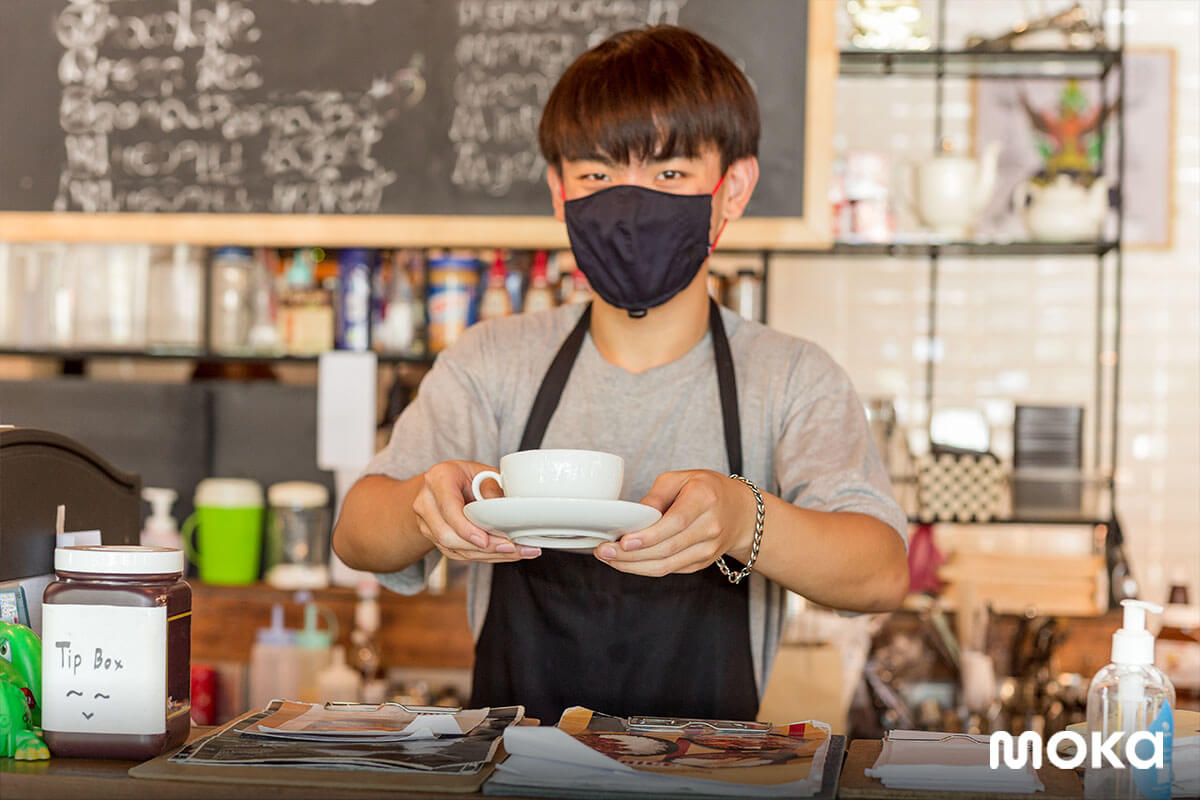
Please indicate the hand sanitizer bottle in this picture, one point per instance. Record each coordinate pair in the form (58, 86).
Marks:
(1128, 697)
(160, 529)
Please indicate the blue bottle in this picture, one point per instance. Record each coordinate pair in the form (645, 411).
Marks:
(354, 299)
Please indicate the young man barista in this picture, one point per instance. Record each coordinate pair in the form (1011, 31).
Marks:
(651, 140)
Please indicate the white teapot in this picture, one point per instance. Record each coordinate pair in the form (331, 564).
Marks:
(1062, 211)
(952, 190)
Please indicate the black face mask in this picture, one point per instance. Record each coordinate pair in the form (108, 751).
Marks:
(639, 247)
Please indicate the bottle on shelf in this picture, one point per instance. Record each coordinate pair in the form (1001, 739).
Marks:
(233, 271)
(495, 302)
(306, 315)
(516, 283)
(450, 297)
(539, 297)
(264, 302)
(354, 299)
(573, 286)
(176, 292)
(395, 323)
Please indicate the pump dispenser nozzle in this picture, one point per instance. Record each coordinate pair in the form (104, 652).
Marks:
(1132, 643)
(160, 529)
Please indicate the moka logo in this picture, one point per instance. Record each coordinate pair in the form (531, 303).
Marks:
(1141, 750)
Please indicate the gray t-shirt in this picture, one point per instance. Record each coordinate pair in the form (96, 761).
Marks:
(804, 433)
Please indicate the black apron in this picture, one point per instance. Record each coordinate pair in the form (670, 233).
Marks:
(566, 629)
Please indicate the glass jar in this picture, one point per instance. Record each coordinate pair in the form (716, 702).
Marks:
(116, 652)
(297, 550)
(233, 272)
(176, 292)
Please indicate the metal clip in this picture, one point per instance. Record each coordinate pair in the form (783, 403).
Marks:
(680, 725)
(342, 705)
(969, 737)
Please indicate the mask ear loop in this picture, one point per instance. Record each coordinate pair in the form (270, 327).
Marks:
(713, 244)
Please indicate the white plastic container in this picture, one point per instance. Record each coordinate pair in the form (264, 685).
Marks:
(339, 682)
(1129, 696)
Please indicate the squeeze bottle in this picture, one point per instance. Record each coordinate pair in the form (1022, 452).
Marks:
(274, 669)
(313, 650)
(1128, 697)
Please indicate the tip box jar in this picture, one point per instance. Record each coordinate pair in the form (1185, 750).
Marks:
(116, 652)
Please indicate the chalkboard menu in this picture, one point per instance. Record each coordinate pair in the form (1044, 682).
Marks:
(338, 107)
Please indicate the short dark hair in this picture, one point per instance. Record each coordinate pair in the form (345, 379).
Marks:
(654, 92)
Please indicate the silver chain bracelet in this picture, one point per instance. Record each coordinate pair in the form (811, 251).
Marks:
(760, 516)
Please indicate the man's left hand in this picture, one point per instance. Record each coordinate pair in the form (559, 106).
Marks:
(705, 515)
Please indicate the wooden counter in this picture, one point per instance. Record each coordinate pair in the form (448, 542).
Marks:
(87, 779)
(108, 780)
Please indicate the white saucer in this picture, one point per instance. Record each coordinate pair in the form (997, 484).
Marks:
(560, 523)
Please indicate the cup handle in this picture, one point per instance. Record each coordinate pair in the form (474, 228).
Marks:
(187, 532)
(483, 476)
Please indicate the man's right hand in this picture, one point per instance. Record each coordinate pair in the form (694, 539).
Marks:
(439, 508)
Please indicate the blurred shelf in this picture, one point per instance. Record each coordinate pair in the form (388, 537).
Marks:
(1000, 64)
(961, 249)
(72, 354)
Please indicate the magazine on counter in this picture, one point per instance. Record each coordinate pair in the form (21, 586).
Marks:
(608, 754)
(239, 743)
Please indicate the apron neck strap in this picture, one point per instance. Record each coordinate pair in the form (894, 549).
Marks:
(555, 380)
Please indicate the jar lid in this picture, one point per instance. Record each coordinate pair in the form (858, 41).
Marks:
(119, 559)
(298, 494)
(228, 493)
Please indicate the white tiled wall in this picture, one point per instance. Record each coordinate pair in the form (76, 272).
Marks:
(1023, 329)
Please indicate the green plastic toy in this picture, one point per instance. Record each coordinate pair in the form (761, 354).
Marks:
(21, 694)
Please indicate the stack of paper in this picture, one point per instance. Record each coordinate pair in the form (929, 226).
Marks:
(590, 754)
(387, 738)
(934, 761)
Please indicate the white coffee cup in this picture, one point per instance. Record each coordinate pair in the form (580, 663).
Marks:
(581, 474)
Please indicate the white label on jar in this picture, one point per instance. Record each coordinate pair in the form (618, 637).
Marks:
(104, 669)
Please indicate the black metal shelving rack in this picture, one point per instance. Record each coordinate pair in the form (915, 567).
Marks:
(1095, 65)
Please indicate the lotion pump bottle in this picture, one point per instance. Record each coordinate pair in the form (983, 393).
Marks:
(160, 529)
(1129, 696)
